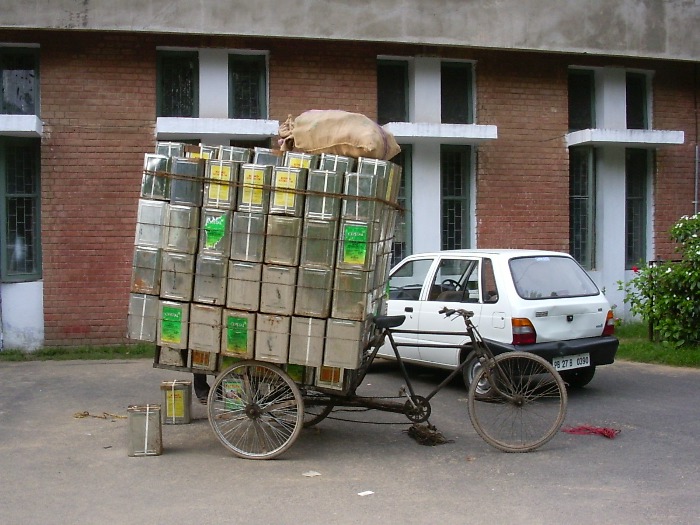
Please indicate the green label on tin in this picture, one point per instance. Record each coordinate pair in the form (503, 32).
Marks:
(355, 245)
(214, 230)
(171, 328)
(237, 334)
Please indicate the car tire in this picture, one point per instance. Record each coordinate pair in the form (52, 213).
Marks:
(579, 377)
(469, 372)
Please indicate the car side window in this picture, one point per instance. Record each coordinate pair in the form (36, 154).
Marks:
(488, 282)
(406, 282)
(456, 280)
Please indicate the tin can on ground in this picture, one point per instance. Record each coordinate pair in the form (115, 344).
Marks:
(145, 431)
(205, 328)
(272, 338)
(243, 291)
(248, 236)
(182, 228)
(177, 399)
(283, 241)
(254, 193)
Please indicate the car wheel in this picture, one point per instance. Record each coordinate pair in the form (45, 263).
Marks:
(469, 372)
(579, 377)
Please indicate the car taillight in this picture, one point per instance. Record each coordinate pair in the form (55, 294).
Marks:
(523, 332)
(609, 328)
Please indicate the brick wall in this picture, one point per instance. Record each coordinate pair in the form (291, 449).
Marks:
(523, 181)
(675, 108)
(98, 109)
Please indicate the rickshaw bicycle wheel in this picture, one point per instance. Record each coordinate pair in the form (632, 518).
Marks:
(255, 409)
(314, 414)
(528, 411)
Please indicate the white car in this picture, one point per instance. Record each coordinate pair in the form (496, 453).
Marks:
(536, 301)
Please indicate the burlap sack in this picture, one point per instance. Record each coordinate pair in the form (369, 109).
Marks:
(337, 132)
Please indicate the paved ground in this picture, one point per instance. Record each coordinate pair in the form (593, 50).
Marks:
(55, 468)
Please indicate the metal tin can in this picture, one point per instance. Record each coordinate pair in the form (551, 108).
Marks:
(268, 157)
(272, 338)
(205, 328)
(254, 193)
(238, 338)
(150, 223)
(177, 276)
(177, 399)
(352, 295)
(345, 341)
(235, 153)
(170, 149)
(182, 228)
(248, 236)
(186, 183)
(298, 159)
(278, 289)
(221, 178)
(286, 197)
(307, 341)
(283, 241)
(210, 279)
(314, 291)
(173, 322)
(143, 317)
(337, 163)
(319, 243)
(243, 291)
(145, 274)
(155, 183)
(324, 188)
(362, 192)
(215, 238)
(145, 431)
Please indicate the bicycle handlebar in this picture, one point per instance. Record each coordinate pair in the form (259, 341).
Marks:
(449, 312)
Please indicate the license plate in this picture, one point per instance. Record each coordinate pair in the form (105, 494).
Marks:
(570, 362)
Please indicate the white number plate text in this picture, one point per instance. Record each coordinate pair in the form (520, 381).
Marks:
(571, 361)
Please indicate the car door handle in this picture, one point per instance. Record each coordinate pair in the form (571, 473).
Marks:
(408, 309)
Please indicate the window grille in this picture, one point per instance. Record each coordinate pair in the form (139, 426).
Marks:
(248, 87)
(636, 171)
(456, 93)
(581, 99)
(454, 176)
(19, 82)
(401, 246)
(392, 91)
(178, 84)
(582, 206)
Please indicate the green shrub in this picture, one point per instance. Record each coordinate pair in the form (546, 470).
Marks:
(667, 294)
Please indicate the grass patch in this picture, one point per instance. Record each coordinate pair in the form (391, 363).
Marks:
(138, 351)
(636, 346)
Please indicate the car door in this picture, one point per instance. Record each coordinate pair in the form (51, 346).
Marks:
(406, 290)
(455, 284)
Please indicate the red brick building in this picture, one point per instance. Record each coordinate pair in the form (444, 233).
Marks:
(569, 142)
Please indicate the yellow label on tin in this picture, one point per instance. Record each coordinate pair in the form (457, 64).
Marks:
(175, 403)
(220, 192)
(253, 181)
(284, 199)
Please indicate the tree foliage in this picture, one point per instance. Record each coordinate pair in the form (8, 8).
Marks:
(667, 294)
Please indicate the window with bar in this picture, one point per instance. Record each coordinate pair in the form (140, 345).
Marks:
(178, 84)
(582, 206)
(636, 176)
(248, 86)
(581, 99)
(401, 246)
(456, 93)
(20, 82)
(392, 91)
(455, 167)
(636, 95)
(20, 257)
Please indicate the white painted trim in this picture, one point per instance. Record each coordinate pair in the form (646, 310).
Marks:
(632, 138)
(21, 125)
(200, 128)
(413, 132)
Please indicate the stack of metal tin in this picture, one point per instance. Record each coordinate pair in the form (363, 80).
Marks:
(251, 254)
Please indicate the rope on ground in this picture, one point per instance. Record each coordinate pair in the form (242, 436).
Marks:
(581, 430)
(104, 415)
(427, 435)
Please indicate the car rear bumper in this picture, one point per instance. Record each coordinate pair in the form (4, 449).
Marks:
(602, 349)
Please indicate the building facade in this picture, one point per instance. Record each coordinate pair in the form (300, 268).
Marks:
(572, 129)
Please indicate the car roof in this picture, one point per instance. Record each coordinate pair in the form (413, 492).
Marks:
(505, 252)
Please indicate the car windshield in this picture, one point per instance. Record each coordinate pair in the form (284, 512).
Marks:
(546, 277)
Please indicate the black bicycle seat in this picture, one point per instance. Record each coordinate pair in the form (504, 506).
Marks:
(389, 321)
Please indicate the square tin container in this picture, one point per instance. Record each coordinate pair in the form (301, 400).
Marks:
(272, 338)
(215, 232)
(278, 289)
(210, 279)
(352, 295)
(154, 182)
(145, 273)
(171, 357)
(238, 336)
(283, 240)
(201, 151)
(170, 149)
(142, 319)
(331, 378)
(319, 243)
(150, 223)
(303, 375)
(205, 361)
(254, 190)
(268, 157)
(186, 183)
(177, 276)
(295, 159)
(345, 342)
(337, 163)
(220, 184)
(287, 192)
(362, 192)
(182, 228)
(314, 292)
(145, 430)
(307, 341)
(173, 324)
(235, 153)
(177, 398)
(323, 194)
(248, 236)
(358, 245)
(243, 292)
(205, 328)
